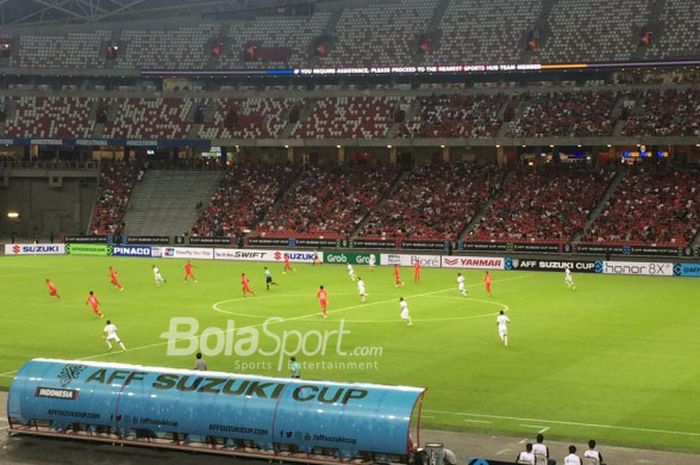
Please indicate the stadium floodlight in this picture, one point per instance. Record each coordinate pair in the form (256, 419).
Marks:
(13, 215)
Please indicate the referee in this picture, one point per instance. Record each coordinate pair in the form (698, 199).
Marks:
(268, 279)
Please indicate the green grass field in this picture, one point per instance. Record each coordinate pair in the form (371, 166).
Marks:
(616, 360)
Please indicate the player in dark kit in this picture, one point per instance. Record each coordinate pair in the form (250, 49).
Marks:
(268, 279)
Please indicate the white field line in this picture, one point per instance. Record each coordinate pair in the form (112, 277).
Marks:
(300, 317)
(568, 423)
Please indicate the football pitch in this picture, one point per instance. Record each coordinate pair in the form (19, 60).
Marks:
(615, 360)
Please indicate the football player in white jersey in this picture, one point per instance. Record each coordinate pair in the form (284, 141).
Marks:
(110, 334)
(502, 323)
(361, 289)
(351, 272)
(569, 279)
(405, 315)
(157, 276)
(460, 284)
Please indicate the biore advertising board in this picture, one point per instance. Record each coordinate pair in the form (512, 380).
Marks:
(577, 266)
(638, 268)
(35, 249)
(473, 263)
(188, 252)
(428, 261)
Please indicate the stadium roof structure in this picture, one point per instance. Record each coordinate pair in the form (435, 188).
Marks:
(22, 13)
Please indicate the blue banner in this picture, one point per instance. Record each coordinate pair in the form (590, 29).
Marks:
(135, 401)
(132, 251)
(687, 270)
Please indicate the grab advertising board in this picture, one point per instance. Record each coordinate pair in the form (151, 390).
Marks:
(342, 258)
(473, 263)
(35, 249)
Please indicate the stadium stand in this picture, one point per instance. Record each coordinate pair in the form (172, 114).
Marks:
(157, 118)
(455, 116)
(651, 207)
(55, 117)
(567, 114)
(669, 112)
(285, 41)
(551, 203)
(242, 199)
(381, 34)
(117, 180)
(344, 117)
(681, 20)
(484, 31)
(248, 118)
(328, 201)
(182, 48)
(433, 202)
(594, 30)
(74, 50)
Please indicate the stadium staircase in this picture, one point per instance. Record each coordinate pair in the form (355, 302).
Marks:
(394, 187)
(433, 28)
(413, 110)
(328, 31)
(281, 199)
(609, 191)
(480, 213)
(655, 25)
(696, 242)
(165, 202)
(542, 26)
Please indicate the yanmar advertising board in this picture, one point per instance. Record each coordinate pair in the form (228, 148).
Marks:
(203, 253)
(427, 261)
(35, 249)
(473, 263)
